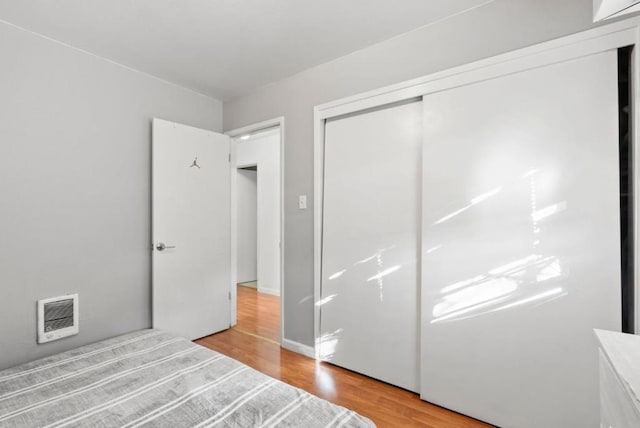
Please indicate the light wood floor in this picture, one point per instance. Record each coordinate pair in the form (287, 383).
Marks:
(254, 341)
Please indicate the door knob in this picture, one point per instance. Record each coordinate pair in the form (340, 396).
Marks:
(162, 247)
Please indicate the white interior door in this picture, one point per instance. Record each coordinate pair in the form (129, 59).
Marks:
(521, 243)
(370, 243)
(191, 219)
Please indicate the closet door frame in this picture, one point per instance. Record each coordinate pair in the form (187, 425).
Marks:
(611, 36)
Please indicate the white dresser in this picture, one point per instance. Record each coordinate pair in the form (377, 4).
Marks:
(619, 379)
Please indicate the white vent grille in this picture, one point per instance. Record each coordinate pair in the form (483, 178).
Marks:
(57, 318)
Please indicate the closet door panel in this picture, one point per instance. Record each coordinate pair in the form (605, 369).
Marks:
(521, 243)
(369, 307)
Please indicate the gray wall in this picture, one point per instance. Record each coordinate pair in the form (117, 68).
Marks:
(75, 140)
(497, 27)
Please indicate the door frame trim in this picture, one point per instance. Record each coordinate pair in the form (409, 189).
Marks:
(234, 133)
(611, 36)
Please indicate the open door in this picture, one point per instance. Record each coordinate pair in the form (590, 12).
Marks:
(191, 230)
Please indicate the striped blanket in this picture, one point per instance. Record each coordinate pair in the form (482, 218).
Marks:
(152, 378)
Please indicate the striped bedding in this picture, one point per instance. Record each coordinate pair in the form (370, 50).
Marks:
(152, 378)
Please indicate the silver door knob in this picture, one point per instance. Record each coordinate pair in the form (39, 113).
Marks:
(162, 247)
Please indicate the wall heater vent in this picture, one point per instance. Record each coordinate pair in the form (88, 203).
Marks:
(57, 318)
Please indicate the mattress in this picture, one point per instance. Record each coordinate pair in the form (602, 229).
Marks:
(153, 378)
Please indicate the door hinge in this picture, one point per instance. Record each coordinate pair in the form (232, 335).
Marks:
(229, 157)
(229, 295)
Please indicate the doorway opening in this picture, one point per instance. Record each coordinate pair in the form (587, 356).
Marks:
(247, 225)
(257, 233)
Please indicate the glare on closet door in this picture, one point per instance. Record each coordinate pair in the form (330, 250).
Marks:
(522, 243)
(370, 243)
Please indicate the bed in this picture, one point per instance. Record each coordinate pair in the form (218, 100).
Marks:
(153, 378)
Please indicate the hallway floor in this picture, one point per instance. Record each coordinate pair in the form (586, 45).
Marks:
(258, 314)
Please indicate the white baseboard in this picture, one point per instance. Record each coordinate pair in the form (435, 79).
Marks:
(305, 350)
(271, 291)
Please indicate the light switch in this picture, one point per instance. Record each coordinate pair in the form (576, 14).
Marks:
(302, 202)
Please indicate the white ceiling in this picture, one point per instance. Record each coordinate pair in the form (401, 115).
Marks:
(225, 48)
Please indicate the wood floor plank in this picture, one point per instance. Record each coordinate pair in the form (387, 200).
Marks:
(259, 313)
(254, 341)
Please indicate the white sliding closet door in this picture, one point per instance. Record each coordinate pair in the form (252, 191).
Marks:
(521, 255)
(369, 307)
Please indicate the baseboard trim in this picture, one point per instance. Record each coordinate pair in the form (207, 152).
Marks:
(305, 350)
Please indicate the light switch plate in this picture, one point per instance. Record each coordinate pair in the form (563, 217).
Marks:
(302, 202)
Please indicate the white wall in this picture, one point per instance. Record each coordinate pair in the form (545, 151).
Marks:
(247, 189)
(263, 150)
(497, 27)
(75, 141)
